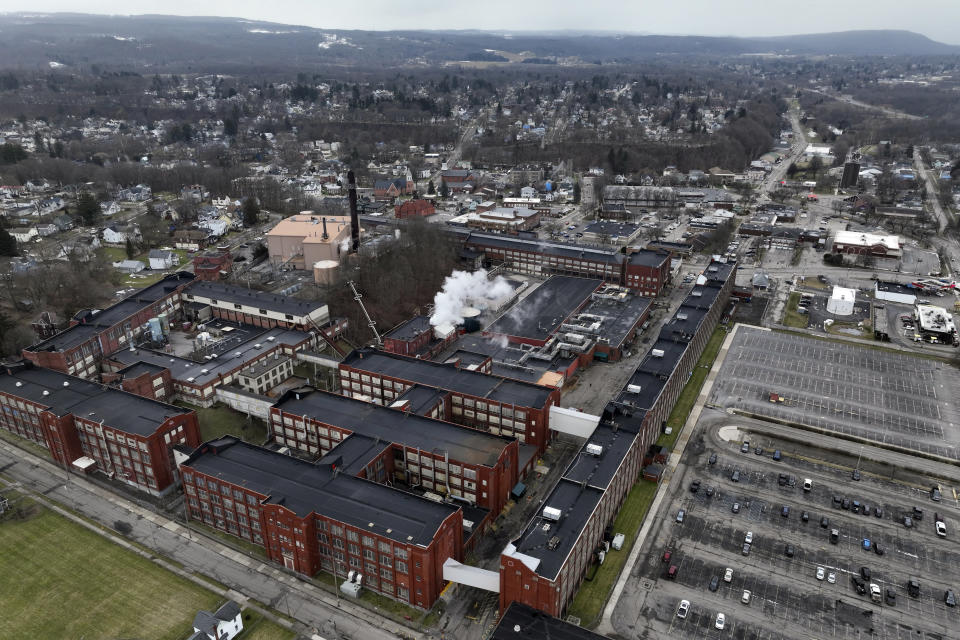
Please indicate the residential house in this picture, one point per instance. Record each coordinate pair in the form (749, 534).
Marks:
(23, 234)
(528, 192)
(162, 259)
(225, 623)
(109, 207)
(194, 192)
(119, 234)
(44, 230)
(129, 266)
(139, 193)
(63, 222)
(190, 239)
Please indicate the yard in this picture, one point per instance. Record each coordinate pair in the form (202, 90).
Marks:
(792, 317)
(256, 627)
(61, 580)
(678, 416)
(592, 596)
(220, 420)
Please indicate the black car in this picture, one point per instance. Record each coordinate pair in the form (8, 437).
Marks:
(877, 549)
(877, 511)
(913, 588)
(824, 522)
(805, 516)
(858, 584)
(845, 504)
(758, 451)
(714, 583)
(935, 494)
(709, 492)
(855, 507)
(735, 476)
(866, 509)
(856, 474)
(782, 479)
(785, 511)
(917, 514)
(891, 597)
(713, 459)
(865, 573)
(950, 598)
(694, 486)
(837, 501)
(789, 550)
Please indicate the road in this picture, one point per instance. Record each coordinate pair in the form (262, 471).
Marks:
(248, 576)
(932, 191)
(772, 181)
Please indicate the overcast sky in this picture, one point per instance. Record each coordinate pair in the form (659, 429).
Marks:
(937, 19)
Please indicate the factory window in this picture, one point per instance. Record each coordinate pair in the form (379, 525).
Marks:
(288, 317)
(385, 547)
(263, 312)
(237, 306)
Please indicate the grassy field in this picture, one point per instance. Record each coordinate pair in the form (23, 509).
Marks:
(220, 420)
(256, 627)
(793, 318)
(678, 416)
(592, 596)
(60, 580)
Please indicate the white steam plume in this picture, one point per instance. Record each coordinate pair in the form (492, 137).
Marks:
(462, 288)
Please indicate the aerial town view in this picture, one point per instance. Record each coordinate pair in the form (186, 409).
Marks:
(532, 321)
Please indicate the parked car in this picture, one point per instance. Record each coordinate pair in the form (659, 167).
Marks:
(694, 486)
(785, 511)
(913, 588)
(858, 584)
(710, 491)
(891, 597)
(683, 609)
(712, 459)
(941, 529)
(865, 573)
(680, 515)
(805, 516)
(935, 494)
(821, 573)
(746, 549)
(856, 474)
(728, 575)
(877, 549)
(789, 550)
(745, 598)
(950, 598)
(714, 583)
(748, 538)
(877, 511)
(866, 544)
(721, 621)
(777, 455)
(758, 451)
(667, 554)
(735, 476)
(907, 521)
(824, 521)
(736, 507)
(832, 577)
(745, 447)
(672, 572)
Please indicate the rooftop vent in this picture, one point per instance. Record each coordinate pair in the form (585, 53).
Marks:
(553, 543)
(19, 384)
(634, 388)
(594, 449)
(204, 370)
(46, 392)
(656, 353)
(190, 379)
(696, 293)
(271, 338)
(66, 383)
(257, 346)
(681, 316)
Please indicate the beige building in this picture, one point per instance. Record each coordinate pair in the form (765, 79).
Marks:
(307, 238)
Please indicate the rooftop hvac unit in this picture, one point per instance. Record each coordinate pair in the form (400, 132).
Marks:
(468, 525)
(681, 316)
(271, 339)
(594, 449)
(553, 543)
(656, 353)
(204, 370)
(552, 514)
(359, 578)
(696, 293)
(634, 388)
(190, 379)
(257, 346)
(575, 338)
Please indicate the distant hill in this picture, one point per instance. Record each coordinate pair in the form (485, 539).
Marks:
(153, 43)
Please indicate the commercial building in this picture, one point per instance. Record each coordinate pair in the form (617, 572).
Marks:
(212, 265)
(643, 271)
(501, 219)
(544, 566)
(314, 517)
(92, 334)
(935, 324)
(471, 398)
(400, 446)
(90, 427)
(607, 232)
(637, 196)
(305, 239)
(841, 301)
(414, 209)
(894, 292)
(258, 308)
(856, 242)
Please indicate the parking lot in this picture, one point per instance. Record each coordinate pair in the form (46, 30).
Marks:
(787, 599)
(888, 398)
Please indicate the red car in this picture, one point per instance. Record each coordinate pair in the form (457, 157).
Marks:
(666, 555)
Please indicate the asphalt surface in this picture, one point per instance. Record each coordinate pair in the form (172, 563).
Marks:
(248, 576)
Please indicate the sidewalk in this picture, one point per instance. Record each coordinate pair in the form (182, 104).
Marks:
(606, 627)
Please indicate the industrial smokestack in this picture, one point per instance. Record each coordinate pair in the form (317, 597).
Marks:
(325, 236)
(354, 220)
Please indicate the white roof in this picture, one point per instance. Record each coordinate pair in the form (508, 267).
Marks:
(861, 239)
(842, 293)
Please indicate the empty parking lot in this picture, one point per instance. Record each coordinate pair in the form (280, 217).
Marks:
(889, 398)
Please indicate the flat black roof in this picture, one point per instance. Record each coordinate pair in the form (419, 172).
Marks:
(444, 376)
(409, 329)
(117, 409)
(641, 391)
(354, 453)
(421, 398)
(544, 309)
(598, 471)
(663, 365)
(566, 250)
(895, 287)
(389, 425)
(102, 320)
(719, 271)
(611, 228)
(702, 296)
(467, 358)
(619, 316)
(684, 323)
(522, 622)
(506, 358)
(252, 298)
(648, 258)
(306, 488)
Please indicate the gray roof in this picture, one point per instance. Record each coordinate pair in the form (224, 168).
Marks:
(443, 376)
(522, 622)
(307, 488)
(409, 329)
(253, 298)
(117, 409)
(543, 310)
(389, 425)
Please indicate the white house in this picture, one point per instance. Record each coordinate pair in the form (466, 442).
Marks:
(129, 266)
(162, 259)
(528, 192)
(225, 623)
(23, 234)
(115, 234)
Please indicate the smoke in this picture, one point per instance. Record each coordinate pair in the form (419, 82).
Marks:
(345, 245)
(500, 340)
(463, 288)
(396, 233)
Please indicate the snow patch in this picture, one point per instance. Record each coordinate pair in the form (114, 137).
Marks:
(55, 65)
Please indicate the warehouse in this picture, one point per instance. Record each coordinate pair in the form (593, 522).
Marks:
(258, 308)
(644, 271)
(312, 518)
(418, 338)
(935, 324)
(472, 467)
(539, 315)
(895, 292)
(305, 239)
(78, 349)
(91, 427)
(479, 400)
(544, 566)
(520, 622)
